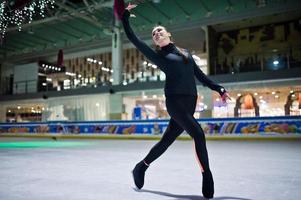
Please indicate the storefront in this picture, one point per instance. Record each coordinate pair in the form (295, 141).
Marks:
(150, 104)
(69, 108)
(267, 101)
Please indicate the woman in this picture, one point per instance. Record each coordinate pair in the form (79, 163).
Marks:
(181, 97)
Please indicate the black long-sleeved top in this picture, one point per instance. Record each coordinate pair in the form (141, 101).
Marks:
(179, 75)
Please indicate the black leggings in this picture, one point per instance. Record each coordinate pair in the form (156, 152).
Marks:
(181, 109)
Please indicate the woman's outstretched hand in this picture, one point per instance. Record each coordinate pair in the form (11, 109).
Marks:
(226, 97)
(130, 7)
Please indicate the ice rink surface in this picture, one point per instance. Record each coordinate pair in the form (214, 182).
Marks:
(101, 170)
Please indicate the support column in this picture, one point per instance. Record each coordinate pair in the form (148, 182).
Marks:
(6, 78)
(208, 101)
(117, 56)
(116, 107)
(211, 45)
(3, 110)
(205, 29)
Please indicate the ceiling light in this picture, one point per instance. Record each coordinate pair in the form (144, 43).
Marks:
(15, 14)
(275, 62)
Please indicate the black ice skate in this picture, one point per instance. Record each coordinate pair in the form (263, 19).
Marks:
(139, 173)
(208, 184)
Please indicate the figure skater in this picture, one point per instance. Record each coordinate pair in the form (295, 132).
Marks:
(181, 96)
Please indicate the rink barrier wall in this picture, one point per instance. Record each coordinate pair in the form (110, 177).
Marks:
(284, 127)
(148, 137)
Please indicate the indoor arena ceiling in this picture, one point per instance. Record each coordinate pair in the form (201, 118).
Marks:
(75, 25)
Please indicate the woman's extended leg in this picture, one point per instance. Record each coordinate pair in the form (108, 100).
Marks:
(180, 107)
(171, 133)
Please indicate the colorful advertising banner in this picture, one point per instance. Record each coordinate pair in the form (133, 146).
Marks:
(217, 126)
